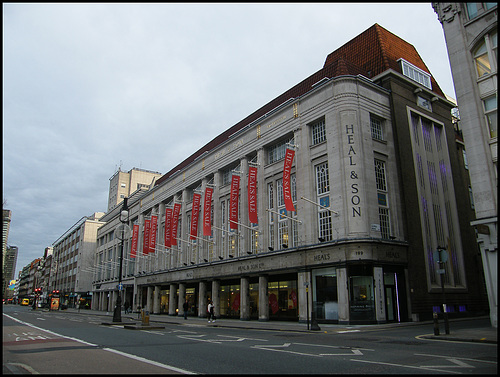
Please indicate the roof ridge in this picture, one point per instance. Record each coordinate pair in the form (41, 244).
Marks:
(378, 31)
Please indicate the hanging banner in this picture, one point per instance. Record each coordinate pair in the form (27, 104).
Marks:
(168, 227)
(175, 222)
(207, 212)
(195, 214)
(233, 202)
(145, 244)
(152, 234)
(252, 195)
(287, 189)
(135, 237)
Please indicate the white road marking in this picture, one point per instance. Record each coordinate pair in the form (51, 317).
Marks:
(457, 358)
(402, 366)
(151, 362)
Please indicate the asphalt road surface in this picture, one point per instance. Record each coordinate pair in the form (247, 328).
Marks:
(63, 342)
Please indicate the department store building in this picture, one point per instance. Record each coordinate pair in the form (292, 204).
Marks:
(329, 201)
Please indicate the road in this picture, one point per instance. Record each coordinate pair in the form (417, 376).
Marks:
(62, 342)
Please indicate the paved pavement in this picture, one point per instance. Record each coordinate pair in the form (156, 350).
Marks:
(474, 333)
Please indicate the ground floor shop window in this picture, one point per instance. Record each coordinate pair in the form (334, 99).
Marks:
(325, 297)
(164, 296)
(191, 299)
(362, 303)
(254, 300)
(230, 301)
(283, 299)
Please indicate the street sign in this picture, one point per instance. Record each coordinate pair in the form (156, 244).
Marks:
(120, 287)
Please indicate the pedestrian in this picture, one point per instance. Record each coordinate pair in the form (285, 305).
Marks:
(210, 309)
(126, 306)
(185, 307)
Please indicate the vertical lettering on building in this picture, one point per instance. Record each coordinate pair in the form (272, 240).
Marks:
(355, 199)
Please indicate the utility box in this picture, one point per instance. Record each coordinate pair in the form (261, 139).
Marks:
(145, 317)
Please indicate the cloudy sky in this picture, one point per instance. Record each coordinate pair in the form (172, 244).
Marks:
(89, 88)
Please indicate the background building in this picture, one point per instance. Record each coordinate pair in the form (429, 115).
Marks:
(369, 194)
(123, 184)
(9, 270)
(471, 35)
(73, 253)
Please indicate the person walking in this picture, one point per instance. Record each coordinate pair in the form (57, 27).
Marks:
(210, 309)
(185, 307)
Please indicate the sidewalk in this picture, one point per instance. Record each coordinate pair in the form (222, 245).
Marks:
(481, 333)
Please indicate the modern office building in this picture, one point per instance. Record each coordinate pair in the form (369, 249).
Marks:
(72, 257)
(337, 200)
(471, 35)
(9, 270)
(123, 184)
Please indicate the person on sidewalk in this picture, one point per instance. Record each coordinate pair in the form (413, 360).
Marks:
(185, 307)
(210, 309)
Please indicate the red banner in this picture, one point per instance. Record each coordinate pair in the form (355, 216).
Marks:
(207, 212)
(233, 202)
(175, 222)
(287, 189)
(152, 234)
(252, 195)
(145, 244)
(195, 214)
(135, 237)
(168, 227)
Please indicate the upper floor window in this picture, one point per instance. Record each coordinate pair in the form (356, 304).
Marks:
(474, 9)
(318, 131)
(485, 55)
(415, 73)
(376, 128)
(277, 151)
(490, 110)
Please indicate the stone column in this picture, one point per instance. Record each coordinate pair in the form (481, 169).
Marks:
(149, 299)
(343, 295)
(244, 299)
(156, 300)
(263, 299)
(172, 299)
(182, 298)
(378, 287)
(202, 299)
(304, 286)
(216, 297)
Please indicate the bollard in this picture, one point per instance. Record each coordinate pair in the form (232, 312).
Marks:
(436, 324)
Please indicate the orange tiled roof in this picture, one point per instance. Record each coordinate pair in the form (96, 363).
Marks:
(369, 54)
(376, 50)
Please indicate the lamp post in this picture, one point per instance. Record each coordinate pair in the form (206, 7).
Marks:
(120, 232)
(442, 258)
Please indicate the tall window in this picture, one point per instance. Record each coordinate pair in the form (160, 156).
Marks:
(323, 198)
(490, 111)
(376, 128)
(438, 209)
(270, 205)
(322, 179)
(318, 132)
(383, 210)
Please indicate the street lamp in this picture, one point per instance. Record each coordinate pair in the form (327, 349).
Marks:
(442, 257)
(120, 233)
